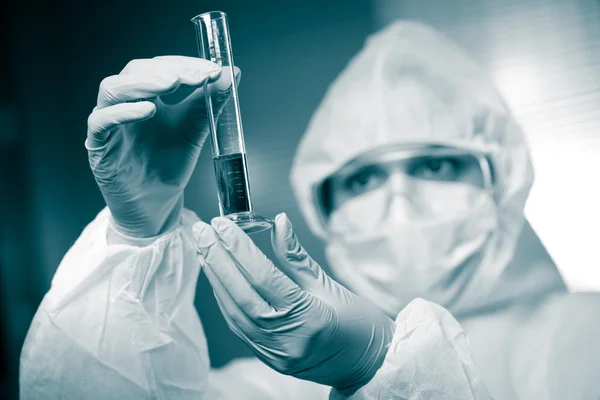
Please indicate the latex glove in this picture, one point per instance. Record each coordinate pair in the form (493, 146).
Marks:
(294, 317)
(142, 153)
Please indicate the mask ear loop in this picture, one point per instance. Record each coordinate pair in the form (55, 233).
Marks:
(488, 176)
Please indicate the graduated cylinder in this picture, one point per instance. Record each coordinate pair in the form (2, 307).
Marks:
(227, 137)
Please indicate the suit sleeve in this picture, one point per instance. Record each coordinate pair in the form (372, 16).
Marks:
(119, 320)
(428, 359)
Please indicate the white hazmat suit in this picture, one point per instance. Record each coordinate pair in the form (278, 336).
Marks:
(119, 320)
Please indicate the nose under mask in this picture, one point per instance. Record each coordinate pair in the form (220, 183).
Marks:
(391, 247)
(406, 200)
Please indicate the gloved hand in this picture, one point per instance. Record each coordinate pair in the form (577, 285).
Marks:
(294, 317)
(142, 153)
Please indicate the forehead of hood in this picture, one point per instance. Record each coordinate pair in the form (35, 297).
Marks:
(410, 85)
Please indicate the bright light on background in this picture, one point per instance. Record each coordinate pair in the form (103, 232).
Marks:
(518, 83)
(564, 205)
(544, 55)
(564, 209)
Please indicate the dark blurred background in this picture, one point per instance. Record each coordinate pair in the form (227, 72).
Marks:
(543, 54)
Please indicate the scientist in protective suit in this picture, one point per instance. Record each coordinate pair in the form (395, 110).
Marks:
(414, 174)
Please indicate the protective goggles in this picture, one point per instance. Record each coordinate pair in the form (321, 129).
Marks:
(426, 163)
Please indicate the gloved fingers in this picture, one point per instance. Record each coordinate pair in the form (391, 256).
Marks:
(102, 121)
(218, 87)
(191, 63)
(145, 85)
(268, 281)
(223, 84)
(246, 332)
(181, 65)
(221, 89)
(186, 62)
(193, 107)
(229, 281)
(293, 259)
(237, 321)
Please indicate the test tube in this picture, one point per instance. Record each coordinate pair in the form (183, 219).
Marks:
(229, 152)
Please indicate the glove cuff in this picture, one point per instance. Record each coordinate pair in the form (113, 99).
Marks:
(382, 338)
(115, 237)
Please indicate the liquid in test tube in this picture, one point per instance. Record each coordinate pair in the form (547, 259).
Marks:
(231, 173)
(229, 152)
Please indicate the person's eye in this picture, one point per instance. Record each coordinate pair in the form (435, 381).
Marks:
(364, 180)
(436, 168)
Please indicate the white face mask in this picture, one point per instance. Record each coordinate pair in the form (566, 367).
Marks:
(390, 249)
